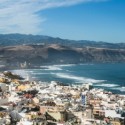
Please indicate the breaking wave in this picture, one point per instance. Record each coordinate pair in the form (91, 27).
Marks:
(54, 67)
(66, 65)
(122, 89)
(39, 73)
(21, 72)
(77, 78)
(29, 71)
(106, 85)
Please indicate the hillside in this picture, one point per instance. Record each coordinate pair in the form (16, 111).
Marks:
(32, 56)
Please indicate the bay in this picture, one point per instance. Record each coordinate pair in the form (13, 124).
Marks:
(109, 76)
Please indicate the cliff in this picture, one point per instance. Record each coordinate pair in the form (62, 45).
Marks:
(27, 56)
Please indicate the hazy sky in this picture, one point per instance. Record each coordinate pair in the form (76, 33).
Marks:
(100, 20)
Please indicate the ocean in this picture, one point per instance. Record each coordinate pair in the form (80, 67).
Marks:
(108, 76)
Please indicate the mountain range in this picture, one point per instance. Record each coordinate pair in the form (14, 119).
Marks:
(29, 51)
(22, 39)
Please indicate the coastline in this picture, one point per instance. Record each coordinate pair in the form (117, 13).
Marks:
(106, 76)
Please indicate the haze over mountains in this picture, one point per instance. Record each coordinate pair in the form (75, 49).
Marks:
(29, 51)
(20, 39)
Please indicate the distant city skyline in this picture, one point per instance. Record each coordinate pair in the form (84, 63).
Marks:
(98, 20)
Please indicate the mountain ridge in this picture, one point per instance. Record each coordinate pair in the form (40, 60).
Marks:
(20, 39)
(33, 56)
(29, 51)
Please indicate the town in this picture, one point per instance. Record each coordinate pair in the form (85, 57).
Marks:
(25, 102)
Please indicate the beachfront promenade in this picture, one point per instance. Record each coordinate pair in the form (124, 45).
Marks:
(25, 102)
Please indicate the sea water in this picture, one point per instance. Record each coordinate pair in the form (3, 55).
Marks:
(109, 76)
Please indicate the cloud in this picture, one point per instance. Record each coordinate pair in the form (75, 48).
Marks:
(21, 16)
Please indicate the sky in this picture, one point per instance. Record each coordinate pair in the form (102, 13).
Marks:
(98, 20)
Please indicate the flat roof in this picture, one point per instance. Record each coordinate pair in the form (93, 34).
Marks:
(112, 114)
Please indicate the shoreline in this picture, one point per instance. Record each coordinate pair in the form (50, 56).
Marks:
(53, 64)
(115, 88)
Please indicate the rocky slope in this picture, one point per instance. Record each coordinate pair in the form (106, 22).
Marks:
(26, 56)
